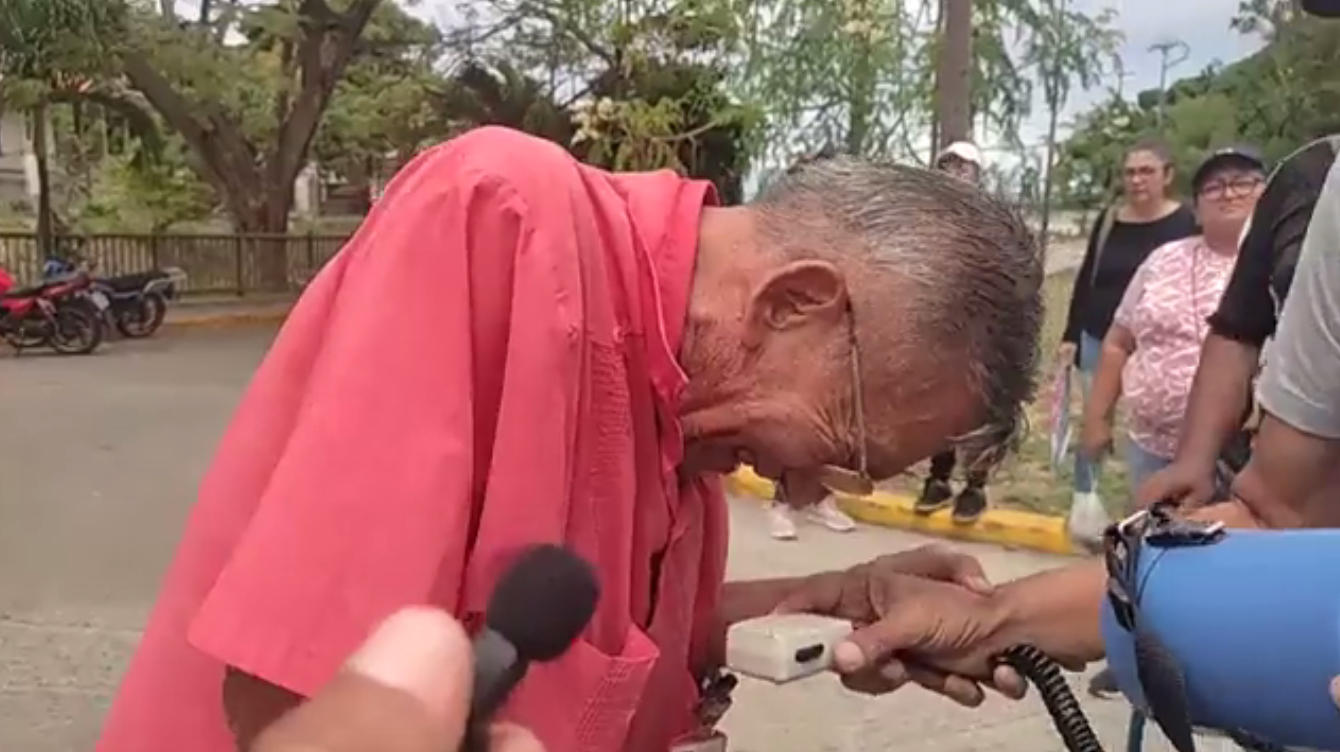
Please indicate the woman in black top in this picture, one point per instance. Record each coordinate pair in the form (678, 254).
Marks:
(1122, 238)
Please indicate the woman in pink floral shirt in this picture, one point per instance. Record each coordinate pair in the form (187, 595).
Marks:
(1150, 353)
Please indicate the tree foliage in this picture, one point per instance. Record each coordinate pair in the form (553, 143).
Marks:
(1277, 99)
(629, 86)
(245, 93)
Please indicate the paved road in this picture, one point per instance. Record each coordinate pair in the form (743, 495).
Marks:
(98, 462)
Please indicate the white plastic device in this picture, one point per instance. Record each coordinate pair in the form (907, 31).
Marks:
(783, 647)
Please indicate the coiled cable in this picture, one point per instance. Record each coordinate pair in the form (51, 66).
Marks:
(1067, 715)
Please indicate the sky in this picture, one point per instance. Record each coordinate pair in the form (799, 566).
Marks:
(1202, 25)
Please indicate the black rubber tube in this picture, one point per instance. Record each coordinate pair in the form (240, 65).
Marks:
(1067, 715)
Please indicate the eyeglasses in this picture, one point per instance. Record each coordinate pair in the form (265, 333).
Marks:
(1143, 171)
(1237, 187)
(836, 478)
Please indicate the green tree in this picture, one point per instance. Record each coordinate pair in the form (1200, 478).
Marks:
(1277, 98)
(628, 86)
(861, 73)
(1066, 48)
(51, 51)
(387, 106)
(146, 197)
(852, 74)
(247, 112)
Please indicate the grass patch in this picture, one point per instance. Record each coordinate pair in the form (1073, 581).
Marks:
(1026, 480)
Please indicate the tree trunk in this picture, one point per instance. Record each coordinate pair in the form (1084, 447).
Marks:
(953, 75)
(935, 110)
(40, 152)
(1053, 115)
(860, 107)
(256, 181)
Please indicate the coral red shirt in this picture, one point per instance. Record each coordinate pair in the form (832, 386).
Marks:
(488, 363)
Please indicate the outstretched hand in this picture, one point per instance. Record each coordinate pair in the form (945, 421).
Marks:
(921, 616)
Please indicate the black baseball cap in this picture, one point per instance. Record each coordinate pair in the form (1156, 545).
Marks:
(1240, 155)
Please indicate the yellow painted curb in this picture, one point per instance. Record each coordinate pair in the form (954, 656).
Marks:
(1004, 527)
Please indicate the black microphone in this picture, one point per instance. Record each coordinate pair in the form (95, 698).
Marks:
(537, 610)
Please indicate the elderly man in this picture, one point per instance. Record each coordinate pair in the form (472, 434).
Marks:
(1297, 452)
(516, 347)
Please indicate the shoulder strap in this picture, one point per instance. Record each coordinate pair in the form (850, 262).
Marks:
(1100, 242)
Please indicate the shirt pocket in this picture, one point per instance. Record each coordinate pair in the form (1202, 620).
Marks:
(584, 701)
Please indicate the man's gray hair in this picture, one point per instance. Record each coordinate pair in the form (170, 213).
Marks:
(967, 270)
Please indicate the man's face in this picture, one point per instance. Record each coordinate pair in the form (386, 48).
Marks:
(816, 398)
(1145, 177)
(1226, 197)
(959, 168)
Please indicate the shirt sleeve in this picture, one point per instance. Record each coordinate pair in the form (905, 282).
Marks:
(1300, 384)
(1130, 300)
(1246, 312)
(392, 368)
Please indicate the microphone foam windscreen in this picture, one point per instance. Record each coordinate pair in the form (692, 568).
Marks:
(543, 602)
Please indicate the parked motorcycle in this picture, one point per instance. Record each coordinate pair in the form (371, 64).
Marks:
(59, 313)
(136, 303)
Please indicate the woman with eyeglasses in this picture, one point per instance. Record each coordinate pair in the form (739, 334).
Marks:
(1124, 236)
(1150, 352)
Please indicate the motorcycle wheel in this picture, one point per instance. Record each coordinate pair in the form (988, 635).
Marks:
(76, 330)
(142, 319)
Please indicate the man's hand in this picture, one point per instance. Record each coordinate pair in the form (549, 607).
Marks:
(1096, 436)
(1190, 484)
(406, 690)
(913, 610)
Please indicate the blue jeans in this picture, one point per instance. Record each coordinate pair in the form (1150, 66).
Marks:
(1087, 471)
(1141, 463)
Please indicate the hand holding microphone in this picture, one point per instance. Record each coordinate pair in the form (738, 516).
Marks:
(407, 689)
(419, 685)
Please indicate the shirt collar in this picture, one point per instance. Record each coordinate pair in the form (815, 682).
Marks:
(669, 224)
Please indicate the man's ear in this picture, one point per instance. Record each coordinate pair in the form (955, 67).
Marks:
(797, 294)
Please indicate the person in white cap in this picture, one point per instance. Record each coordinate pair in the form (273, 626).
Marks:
(963, 160)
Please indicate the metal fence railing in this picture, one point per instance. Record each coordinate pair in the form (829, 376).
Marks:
(214, 264)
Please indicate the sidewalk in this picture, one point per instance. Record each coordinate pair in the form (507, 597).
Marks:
(1011, 528)
(228, 310)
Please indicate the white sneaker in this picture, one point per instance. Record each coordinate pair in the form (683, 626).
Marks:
(780, 524)
(826, 513)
